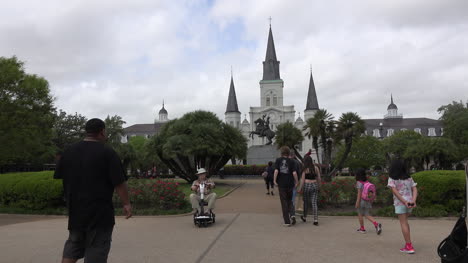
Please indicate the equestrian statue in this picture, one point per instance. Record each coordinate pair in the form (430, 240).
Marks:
(262, 129)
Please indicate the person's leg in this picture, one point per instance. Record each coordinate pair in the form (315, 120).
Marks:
(211, 199)
(314, 194)
(74, 247)
(405, 228)
(284, 205)
(306, 197)
(267, 185)
(98, 245)
(293, 202)
(195, 201)
(272, 186)
(361, 221)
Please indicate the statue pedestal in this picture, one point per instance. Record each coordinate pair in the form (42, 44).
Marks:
(262, 154)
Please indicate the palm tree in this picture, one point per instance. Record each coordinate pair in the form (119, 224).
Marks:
(348, 127)
(316, 128)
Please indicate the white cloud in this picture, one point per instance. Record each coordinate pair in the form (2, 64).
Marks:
(124, 57)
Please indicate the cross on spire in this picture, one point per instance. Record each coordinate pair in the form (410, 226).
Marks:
(270, 20)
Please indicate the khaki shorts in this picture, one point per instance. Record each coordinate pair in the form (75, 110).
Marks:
(92, 245)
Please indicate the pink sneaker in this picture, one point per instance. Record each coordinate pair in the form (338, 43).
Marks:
(408, 249)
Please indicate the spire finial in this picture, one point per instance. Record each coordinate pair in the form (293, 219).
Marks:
(391, 97)
(231, 71)
(270, 20)
(311, 68)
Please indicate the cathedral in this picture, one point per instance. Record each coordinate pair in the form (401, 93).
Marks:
(271, 106)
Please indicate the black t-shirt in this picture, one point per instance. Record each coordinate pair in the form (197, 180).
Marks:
(90, 171)
(285, 167)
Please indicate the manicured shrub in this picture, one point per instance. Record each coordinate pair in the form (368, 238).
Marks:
(446, 188)
(156, 194)
(430, 211)
(33, 190)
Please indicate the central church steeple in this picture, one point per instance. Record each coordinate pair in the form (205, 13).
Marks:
(271, 63)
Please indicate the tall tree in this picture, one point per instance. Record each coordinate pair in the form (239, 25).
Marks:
(288, 135)
(26, 115)
(68, 129)
(198, 140)
(349, 127)
(366, 152)
(316, 128)
(399, 143)
(114, 130)
(455, 120)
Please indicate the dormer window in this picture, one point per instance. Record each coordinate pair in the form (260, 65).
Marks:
(389, 132)
(418, 130)
(432, 132)
(376, 133)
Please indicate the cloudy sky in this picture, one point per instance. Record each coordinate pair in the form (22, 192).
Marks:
(111, 57)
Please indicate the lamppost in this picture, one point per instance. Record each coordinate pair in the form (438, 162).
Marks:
(381, 130)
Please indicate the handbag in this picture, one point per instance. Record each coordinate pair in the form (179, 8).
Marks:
(264, 174)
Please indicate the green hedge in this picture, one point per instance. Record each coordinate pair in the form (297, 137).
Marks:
(32, 190)
(244, 169)
(444, 188)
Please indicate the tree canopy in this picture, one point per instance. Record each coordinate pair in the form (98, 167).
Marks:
(68, 129)
(455, 120)
(198, 140)
(26, 115)
(366, 152)
(288, 135)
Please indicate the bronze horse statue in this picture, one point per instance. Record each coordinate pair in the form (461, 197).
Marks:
(263, 130)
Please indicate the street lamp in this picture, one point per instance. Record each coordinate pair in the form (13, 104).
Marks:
(381, 130)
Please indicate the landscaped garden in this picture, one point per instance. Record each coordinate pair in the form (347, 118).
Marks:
(39, 193)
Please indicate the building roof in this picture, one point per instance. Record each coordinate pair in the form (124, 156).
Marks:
(312, 102)
(163, 110)
(271, 63)
(144, 129)
(232, 99)
(404, 123)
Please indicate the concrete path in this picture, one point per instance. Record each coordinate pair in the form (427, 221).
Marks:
(248, 229)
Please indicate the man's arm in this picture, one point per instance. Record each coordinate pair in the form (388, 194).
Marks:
(122, 191)
(296, 181)
(275, 176)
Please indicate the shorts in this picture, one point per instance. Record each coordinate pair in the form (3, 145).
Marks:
(93, 245)
(364, 208)
(401, 209)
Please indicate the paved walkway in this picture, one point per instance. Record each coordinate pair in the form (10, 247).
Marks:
(248, 229)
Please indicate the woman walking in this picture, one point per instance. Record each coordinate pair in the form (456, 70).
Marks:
(269, 170)
(311, 180)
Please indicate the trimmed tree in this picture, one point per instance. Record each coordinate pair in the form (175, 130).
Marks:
(288, 135)
(198, 140)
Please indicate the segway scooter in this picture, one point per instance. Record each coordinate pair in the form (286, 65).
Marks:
(200, 218)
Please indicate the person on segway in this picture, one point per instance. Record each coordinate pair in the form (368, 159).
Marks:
(209, 197)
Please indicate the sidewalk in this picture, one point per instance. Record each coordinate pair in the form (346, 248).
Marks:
(248, 229)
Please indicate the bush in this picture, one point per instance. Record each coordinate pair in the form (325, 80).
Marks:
(34, 190)
(244, 169)
(445, 188)
(430, 211)
(158, 194)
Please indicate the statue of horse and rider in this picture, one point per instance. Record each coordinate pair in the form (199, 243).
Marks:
(262, 129)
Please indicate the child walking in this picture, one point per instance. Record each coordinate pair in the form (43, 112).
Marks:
(405, 194)
(363, 206)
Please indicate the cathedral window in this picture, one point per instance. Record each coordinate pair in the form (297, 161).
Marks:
(432, 132)
(268, 101)
(275, 101)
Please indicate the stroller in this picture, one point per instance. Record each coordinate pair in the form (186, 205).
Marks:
(454, 249)
(201, 219)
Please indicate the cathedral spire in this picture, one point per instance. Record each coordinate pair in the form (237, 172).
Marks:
(271, 63)
(312, 102)
(232, 99)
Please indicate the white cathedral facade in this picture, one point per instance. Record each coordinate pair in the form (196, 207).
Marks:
(271, 103)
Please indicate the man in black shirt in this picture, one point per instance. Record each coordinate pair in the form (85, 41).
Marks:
(285, 178)
(91, 171)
